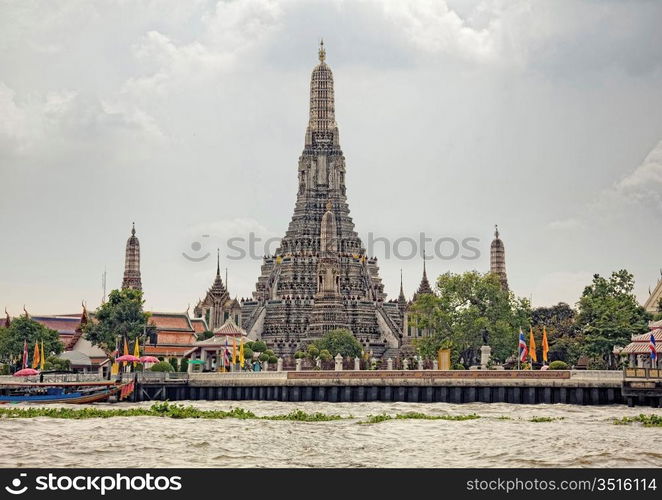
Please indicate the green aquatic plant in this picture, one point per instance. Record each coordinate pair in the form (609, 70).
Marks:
(302, 416)
(161, 409)
(375, 419)
(545, 419)
(646, 420)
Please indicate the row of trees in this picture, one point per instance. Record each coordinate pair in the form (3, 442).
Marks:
(468, 304)
(466, 308)
(22, 329)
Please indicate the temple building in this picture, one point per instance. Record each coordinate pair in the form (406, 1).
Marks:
(410, 330)
(217, 306)
(653, 303)
(320, 277)
(82, 355)
(638, 351)
(498, 259)
(132, 262)
(175, 335)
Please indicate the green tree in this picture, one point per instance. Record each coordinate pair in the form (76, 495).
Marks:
(259, 346)
(207, 334)
(174, 363)
(161, 366)
(340, 341)
(325, 355)
(609, 314)
(464, 306)
(312, 352)
(55, 363)
(563, 334)
(121, 317)
(12, 340)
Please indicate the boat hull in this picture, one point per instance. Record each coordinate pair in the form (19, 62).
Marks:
(72, 398)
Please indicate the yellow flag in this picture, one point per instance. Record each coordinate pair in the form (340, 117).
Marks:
(241, 353)
(234, 350)
(42, 360)
(114, 368)
(545, 345)
(36, 357)
(532, 348)
(136, 350)
(126, 350)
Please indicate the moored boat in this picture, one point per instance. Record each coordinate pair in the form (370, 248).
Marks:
(62, 392)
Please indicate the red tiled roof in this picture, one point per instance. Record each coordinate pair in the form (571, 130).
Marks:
(61, 324)
(646, 337)
(199, 325)
(177, 321)
(229, 328)
(183, 338)
(640, 348)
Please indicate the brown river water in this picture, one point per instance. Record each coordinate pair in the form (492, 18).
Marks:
(585, 437)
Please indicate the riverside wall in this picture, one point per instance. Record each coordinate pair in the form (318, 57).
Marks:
(518, 387)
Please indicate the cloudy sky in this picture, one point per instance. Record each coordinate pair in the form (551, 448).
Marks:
(188, 118)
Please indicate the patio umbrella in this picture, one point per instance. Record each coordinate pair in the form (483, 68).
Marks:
(196, 362)
(128, 358)
(149, 359)
(26, 372)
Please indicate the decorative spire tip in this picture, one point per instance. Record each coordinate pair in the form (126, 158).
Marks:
(322, 51)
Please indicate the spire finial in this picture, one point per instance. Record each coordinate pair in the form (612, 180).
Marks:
(322, 51)
(218, 262)
(133, 229)
(401, 289)
(496, 231)
(424, 270)
(329, 205)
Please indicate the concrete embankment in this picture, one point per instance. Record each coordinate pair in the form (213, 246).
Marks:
(571, 387)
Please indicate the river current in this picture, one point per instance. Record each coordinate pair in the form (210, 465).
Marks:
(585, 437)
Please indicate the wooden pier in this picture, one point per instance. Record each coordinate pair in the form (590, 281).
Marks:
(641, 385)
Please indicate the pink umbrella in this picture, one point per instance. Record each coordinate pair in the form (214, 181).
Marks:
(129, 358)
(26, 372)
(149, 359)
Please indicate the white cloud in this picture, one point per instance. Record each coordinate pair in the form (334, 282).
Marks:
(644, 184)
(432, 26)
(232, 30)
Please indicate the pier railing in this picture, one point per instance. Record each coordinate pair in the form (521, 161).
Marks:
(654, 373)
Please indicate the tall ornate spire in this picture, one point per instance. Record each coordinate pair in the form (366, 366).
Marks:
(132, 262)
(218, 288)
(498, 259)
(424, 288)
(402, 300)
(320, 277)
(322, 129)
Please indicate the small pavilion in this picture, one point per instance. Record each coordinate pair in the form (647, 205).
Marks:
(211, 351)
(638, 351)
